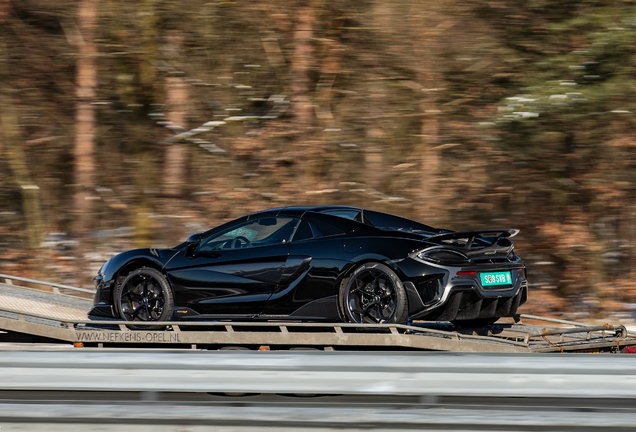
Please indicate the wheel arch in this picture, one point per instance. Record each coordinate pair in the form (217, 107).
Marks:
(352, 266)
(131, 266)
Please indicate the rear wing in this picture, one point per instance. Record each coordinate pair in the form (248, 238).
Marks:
(466, 239)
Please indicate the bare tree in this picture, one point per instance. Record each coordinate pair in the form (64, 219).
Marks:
(301, 63)
(177, 98)
(16, 156)
(427, 25)
(86, 82)
(177, 95)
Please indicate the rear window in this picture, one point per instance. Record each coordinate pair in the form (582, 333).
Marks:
(384, 220)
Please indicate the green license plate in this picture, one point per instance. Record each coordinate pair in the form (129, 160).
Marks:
(499, 278)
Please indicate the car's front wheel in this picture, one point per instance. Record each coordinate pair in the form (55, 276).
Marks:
(373, 294)
(145, 296)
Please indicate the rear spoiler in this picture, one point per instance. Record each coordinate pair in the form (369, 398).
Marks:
(470, 236)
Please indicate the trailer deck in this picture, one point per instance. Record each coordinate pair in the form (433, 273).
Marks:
(61, 316)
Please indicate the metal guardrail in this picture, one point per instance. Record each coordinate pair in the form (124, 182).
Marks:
(49, 284)
(246, 416)
(367, 373)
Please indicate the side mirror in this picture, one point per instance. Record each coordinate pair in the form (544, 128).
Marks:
(192, 241)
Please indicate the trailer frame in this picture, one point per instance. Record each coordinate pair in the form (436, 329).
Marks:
(431, 336)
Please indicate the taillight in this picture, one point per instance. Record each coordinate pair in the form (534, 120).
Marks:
(630, 349)
(465, 273)
(444, 257)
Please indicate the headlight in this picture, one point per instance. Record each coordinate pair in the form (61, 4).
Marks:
(444, 257)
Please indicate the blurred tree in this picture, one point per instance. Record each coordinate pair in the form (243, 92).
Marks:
(177, 99)
(428, 29)
(571, 125)
(457, 113)
(301, 63)
(86, 82)
(13, 149)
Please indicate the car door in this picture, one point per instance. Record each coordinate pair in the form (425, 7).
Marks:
(233, 272)
(316, 261)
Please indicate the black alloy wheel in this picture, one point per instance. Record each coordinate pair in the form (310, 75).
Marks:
(144, 296)
(373, 294)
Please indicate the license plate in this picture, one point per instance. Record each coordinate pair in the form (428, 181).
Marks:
(498, 278)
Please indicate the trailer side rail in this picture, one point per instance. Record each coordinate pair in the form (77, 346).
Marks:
(56, 287)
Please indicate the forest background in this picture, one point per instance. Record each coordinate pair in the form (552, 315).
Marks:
(136, 123)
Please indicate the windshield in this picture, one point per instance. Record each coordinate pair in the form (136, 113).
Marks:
(259, 232)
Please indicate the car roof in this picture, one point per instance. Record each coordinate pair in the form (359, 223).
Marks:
(299, 210)
(322, 213)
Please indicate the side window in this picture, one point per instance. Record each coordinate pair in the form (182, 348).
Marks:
(253, 233)
(315, 229)
(303, 232)
(347, 214)
(321, 229)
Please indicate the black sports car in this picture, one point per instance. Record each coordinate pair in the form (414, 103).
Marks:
(329, 263)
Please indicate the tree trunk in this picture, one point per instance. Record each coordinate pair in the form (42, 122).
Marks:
(300, 64)
(177, 98)
(17, 158)
(329, 69)
(177, 95)
(86, 76)
(425, 32)
(302, 108)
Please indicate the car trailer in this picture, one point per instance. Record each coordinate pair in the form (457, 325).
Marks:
(59, 316)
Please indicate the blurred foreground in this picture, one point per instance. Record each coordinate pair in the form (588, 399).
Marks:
(188, 390)
(279, 413)
(130, 124)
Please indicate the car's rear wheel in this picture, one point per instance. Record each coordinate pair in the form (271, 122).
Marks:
(145, 296)
(373, 294)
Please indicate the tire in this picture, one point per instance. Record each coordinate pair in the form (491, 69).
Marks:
(373, 294)
(475, 323)
(144, 296)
